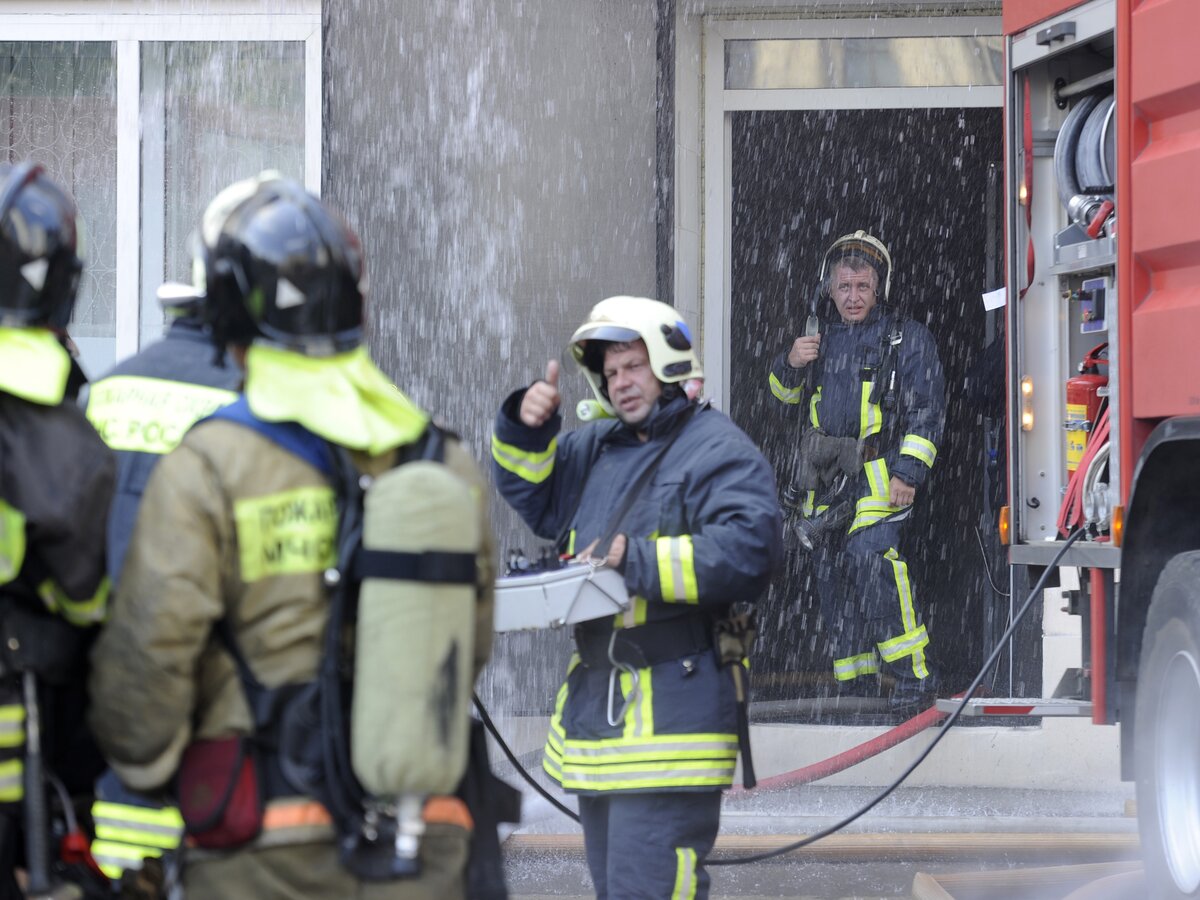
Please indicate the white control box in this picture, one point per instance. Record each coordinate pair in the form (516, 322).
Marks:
(557, 598)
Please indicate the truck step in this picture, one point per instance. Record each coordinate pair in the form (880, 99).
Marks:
(1018, 706)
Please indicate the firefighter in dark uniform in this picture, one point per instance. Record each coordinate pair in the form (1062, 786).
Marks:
(675, 496)
(142, 408)
(56, 484)
(870, 386)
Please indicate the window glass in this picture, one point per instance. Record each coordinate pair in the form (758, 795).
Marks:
(60, 103)
(948, 61)
(212, 113)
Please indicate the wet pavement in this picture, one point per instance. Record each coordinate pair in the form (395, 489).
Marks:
(968, 836)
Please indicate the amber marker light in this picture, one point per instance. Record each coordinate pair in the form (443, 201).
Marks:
(1005, 527)
(1023, 195)
(1116, 531)
(1027, 404)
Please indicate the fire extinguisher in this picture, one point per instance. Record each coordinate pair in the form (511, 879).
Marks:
(1083, 402)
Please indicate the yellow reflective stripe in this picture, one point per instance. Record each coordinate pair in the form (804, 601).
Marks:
(164, 819)
(916, 446)
(877, 478)
(639, 714)
(812, 408)
(12, 776)
(90, 611)
(150, 415)
(677, 569)
(870, 417)
(807, 506)
(571, 543)
(633, 615)
(34, 365)
(850, 667)
(552, 753)
(12, 542)
(785, 394)
(875, 505)
(532, 466)
(914, 638)
(618, 778)
(286, 533)
(12, 726)
(904, 645)
(651, 747)
(685, 874)
(114, 858)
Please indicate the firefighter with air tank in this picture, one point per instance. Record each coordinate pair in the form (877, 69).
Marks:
(225, 664)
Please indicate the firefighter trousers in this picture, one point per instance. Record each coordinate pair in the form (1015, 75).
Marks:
(870, 609)
(650, 846)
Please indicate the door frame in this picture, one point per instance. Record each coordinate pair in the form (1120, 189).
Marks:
(704, 112)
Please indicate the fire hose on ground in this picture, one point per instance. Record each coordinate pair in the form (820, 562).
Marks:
(846, 758)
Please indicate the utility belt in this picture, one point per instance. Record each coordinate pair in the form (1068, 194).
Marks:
(600, 646)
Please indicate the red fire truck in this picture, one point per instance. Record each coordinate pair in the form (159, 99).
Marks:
(1102, 107)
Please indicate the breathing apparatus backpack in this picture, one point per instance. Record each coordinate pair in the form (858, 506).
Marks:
(387, 721)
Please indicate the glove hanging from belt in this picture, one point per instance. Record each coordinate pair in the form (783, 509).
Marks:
(823, 457)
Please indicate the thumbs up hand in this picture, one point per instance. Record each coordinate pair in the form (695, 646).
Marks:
(542, 398)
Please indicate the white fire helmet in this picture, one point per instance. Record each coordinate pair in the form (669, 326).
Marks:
(861, 246)
(667, 337)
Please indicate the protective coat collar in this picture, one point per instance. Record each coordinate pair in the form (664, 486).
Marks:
(343, 398)
(34, 365)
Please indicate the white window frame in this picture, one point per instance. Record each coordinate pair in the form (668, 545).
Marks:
(126, 23)
(709, 243)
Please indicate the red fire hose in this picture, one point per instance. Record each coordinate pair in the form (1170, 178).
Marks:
(851, 757)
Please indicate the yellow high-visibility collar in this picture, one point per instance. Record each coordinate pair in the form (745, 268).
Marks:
(34, 365)
(344, 398)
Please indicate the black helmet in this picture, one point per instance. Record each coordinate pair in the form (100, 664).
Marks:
(39, 266)
(280, 265)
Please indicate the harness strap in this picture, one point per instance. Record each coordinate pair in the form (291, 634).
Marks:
(435, 566)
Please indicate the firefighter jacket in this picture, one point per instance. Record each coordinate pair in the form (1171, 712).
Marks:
(232, 527)
(899, 435)
(703, 534)
(56, 482)
(144, 406)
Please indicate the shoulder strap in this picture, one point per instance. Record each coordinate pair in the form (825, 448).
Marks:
(291, 436)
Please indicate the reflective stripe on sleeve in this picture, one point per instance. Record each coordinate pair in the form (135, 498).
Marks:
(812, 408)
(12, 778)
(919, 448)
(150, 415)
(850, 667)
(676, 569)
(12, 542)
(89, 611)
(12, 726)
(785, 394)
(532, 466)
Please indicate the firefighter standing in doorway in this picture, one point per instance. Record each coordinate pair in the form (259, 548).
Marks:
(142, 408)
(235, 547)
(870, 386)
(671, 493)
(56, 483)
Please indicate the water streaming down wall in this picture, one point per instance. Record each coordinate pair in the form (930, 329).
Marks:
(498, 159)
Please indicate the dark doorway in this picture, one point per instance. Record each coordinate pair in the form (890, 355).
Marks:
(919, 180)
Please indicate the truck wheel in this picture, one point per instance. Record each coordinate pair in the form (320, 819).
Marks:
(1167, 732)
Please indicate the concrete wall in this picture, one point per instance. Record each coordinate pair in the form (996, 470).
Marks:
(498, 160)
